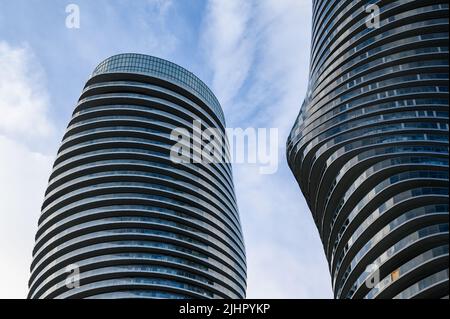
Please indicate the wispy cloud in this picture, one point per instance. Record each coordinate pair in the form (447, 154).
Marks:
(108, 28)
(258, 54)
(25, 134)
(24, 101)
(281, 75)
(228, 46)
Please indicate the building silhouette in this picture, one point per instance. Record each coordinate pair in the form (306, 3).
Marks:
(369, 148)
(120, 219)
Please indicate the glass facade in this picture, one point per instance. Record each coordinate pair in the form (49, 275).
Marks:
(369, 148)
(133, 223)
(139, 63)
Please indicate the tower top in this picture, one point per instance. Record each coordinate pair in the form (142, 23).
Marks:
(162, 69)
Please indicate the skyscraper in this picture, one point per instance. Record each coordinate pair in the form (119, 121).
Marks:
(369, 148)
(120, 219)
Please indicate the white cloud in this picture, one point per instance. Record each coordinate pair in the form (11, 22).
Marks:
(259, 56)
(284, 254)
(24, 124)
(282, 74)
(228, 45)
(23, 177)
(24, 102)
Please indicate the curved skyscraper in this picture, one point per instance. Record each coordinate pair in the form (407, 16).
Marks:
(120, 218)
(370, 146)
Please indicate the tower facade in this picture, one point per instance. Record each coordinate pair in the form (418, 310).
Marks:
(120, 218)
(369, 148)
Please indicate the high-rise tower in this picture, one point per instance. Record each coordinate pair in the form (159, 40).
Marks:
(120, 213)
(370, 145)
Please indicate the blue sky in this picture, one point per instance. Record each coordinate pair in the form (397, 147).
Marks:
(253, 54)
